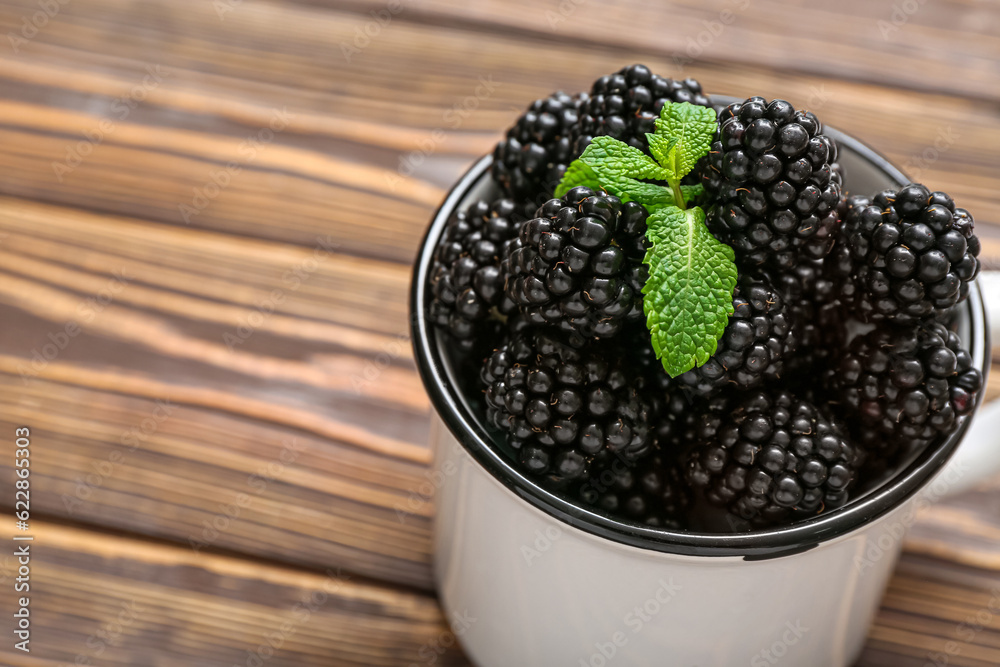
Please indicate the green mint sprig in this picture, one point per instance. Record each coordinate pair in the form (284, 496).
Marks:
(688, 296)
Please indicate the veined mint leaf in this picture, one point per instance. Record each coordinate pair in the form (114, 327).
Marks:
(577, 173)
(649, 195)
(688, 297)
(692, 128)
(618, 157)
(660, 146)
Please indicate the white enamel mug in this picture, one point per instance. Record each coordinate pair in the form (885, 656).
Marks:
(540, 582)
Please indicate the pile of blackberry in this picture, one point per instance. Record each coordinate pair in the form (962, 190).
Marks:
(838, 364)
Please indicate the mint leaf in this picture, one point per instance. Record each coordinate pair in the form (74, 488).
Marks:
(614, 166)
(650, 195)
(627, 189)
(608, 153)
(692, 128)
(688, 297)
(578, 173)
(660, 145)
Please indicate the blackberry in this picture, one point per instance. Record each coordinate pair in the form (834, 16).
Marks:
(904, 385)
(562, 403)
(771, 171)
(815, 296)
(769, 457)
(531, 160)
(916, 254)
(466, 281)
(754, 346)
(624, 105)
(578, 265)
(651, 491)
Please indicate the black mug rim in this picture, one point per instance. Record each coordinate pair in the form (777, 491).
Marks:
(761, 544)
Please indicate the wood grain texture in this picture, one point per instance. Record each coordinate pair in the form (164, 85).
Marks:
(227, 203)
(105, 599)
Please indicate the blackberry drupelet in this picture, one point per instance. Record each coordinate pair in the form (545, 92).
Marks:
(651, 491)
(563, 402)
(531, 160)
(904, 385)
(624, 105)
(754, 346)
(578, 265)
(916, 254)
(466, 281)
(768, 457)
(771, 171)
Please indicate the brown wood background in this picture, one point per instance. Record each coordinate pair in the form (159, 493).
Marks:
(244, 363)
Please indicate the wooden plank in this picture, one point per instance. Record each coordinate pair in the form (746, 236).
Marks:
(107, 599)
(118, 600)
(941, 46)
(338, 167)
(214, 481)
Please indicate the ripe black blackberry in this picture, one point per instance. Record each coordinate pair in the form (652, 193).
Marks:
(651, 491)
(771, 171)
(817, 295)
(466, 281)
(578, 265)
(768, 457)
(904, 385)
(530, 161)
(916, 254)
(754, 346)
(625, 105)
(562, 403)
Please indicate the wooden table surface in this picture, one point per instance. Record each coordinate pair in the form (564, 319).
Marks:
(209, 211)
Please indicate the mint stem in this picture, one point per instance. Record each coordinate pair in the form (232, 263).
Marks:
(678, 195)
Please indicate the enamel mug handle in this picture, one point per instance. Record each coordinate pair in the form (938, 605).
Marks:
(978, 457)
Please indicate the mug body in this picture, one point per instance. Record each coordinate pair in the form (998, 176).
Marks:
(529, 579)
(525, 588)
